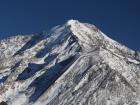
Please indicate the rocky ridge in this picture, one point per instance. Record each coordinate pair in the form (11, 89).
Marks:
(72, 64)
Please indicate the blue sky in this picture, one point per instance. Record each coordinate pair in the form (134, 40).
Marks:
(119, 19)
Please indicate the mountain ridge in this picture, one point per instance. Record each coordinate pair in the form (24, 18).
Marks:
(67, 64)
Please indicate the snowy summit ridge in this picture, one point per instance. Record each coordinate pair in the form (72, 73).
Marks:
(72, 64)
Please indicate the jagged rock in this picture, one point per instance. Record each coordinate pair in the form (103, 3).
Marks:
(72, 64)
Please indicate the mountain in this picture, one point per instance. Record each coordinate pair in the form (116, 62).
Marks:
(72, 64)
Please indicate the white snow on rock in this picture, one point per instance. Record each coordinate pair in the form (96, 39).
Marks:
(72, 64)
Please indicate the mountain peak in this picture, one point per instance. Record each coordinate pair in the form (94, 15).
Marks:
(74, 63)
(72, 22)
(91, 38)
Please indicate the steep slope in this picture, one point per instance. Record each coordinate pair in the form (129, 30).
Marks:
(72, 64)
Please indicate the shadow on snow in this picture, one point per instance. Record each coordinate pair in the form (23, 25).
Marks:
(43, 82)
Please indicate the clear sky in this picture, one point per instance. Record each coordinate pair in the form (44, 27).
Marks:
(119, 19)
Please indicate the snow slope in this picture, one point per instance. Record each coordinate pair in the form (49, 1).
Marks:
(72, 64)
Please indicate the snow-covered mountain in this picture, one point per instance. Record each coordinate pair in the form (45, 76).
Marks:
(72, 64)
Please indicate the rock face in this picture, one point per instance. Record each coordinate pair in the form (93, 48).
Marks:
(72, 64)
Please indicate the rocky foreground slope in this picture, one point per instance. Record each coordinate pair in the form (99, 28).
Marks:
(72, 64)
